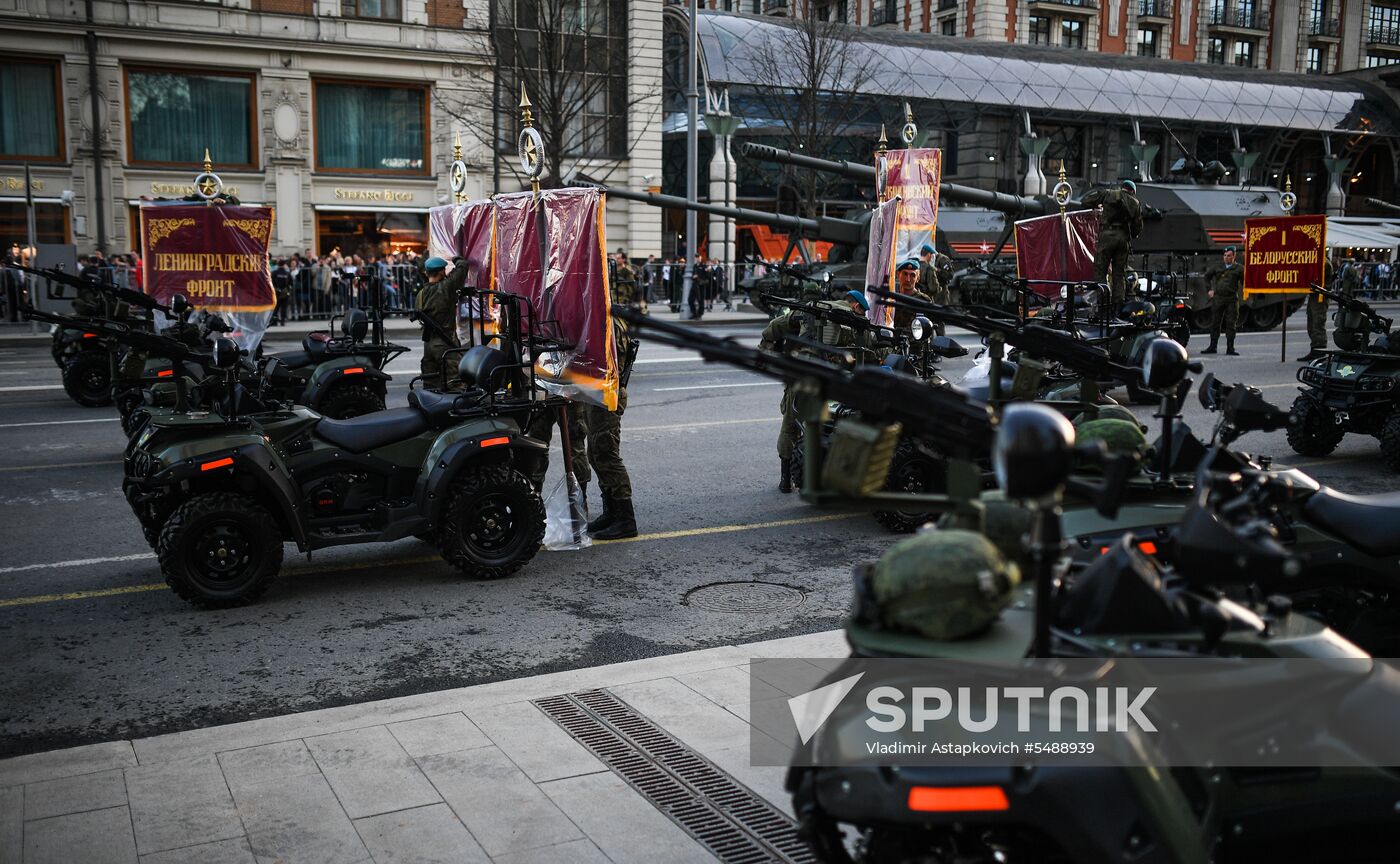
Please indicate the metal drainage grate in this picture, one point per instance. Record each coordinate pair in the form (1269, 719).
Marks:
(744, 597)
(735, 824)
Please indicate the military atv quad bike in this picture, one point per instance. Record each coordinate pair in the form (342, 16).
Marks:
(1124, 605)
(1354, 389)
(222, 493)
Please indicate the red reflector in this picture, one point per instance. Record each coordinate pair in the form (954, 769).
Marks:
(217, 463)
(353, 370)
(1103, 550)
(89, 335)
(1148, 547)
(165, 373)
(932, 799)
(492, 442)
(1181, 305)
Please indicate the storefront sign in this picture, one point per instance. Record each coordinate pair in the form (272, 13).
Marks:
(388, 195)
(1283, 254)
(180, 190)
(215, 256)
(16, 184)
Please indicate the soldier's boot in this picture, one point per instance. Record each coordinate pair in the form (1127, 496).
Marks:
(1230, 347)
(624, 520)
(604, 519)
(1211, 349)
(785, 484)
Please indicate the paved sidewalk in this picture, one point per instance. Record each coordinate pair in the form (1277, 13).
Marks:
(477, 774)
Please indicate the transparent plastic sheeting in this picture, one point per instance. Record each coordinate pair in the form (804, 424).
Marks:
(569, 299)
(1058, 248)
(462, 234)
(216, 256)
(879, 263)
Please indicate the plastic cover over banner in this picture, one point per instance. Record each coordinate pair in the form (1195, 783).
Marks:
(215, 255)
(880, 260)
(1057, 249)
(914, 176)
(571, 299)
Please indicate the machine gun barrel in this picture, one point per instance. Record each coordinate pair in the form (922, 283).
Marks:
(1015, 205)
(1036, 340)
(827, 228)
(1379, 323)
(134, 298)
(152, 343)
(952, 420)
(840, 316)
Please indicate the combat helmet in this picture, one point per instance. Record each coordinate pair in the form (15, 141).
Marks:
(942, 584)
(1118, 436)
(1106, 412)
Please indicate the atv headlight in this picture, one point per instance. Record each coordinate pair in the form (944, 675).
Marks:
(1377, 383)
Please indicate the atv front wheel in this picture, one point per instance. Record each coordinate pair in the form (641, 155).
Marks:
(350, 400)
(1390, 441)
(220, 549)
(87, 379)
(494, 522)
(1313, 431)
(912, 470)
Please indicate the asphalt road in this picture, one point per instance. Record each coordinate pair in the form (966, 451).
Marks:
(97, 648)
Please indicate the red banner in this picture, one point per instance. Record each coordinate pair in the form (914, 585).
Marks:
(573, 304)
(914, 176)
(1057, 249)
(1284, 254)
(214, 255)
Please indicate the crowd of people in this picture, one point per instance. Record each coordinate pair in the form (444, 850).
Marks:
(663, 282)
(314, 286)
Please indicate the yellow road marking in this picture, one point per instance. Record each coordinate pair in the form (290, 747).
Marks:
(427, 559)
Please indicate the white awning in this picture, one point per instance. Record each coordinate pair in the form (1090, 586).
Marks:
(1340, 235)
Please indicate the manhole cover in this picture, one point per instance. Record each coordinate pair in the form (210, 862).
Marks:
(744, 597)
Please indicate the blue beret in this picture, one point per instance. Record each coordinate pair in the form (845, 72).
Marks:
(434, 265)
(857, 297)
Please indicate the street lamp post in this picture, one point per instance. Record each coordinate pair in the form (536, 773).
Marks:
(722, 125)
(692, 147)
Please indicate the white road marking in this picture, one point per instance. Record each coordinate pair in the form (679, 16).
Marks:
(672, 426)
(31, 387)
(716, 386)
(59, 422)
(81, 562)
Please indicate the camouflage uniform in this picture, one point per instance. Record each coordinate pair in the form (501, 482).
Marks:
(438, 302)
(624, 285)
(604, 427)
(1317, 310)
(541, 428)
(1226, 281)
(903, 315)
(1120, 221)
(778, 329)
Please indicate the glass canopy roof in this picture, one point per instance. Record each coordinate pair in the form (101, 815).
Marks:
(1061, 80)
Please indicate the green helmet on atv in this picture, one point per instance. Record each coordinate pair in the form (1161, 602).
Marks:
(1105, 412)
(942, 584)
(1118, 436)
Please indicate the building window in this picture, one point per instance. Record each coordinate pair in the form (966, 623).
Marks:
(370, 128)
(173, 117)
(1374, 60)
(1244, 14)
(1072, 33)
(30, 121)
(948, 26)
(1315, 60)
(1217, 50)
(1147, 41)
(1217, 12)
(388, 10)
(1040, 30)
(1244, 53)
(1385, 26)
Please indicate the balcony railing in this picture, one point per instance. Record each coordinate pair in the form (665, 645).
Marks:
(1077, 4)
(883, 14)
(1324, 27)
(1249, 19)
(1384, 35)
(945, 5)
(1154, 9)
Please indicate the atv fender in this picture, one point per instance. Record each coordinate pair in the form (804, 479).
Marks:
(357, 368)
(241, 455)
(461, 445)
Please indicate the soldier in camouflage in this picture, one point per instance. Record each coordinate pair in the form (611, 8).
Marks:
(436, 309)
(1317, 316)
(1226, 281)
(1120, 222)
(604, 430)
(624, 281)
(909, 282)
